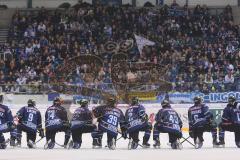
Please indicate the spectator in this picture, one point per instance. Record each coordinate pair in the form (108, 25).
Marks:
(194, 49)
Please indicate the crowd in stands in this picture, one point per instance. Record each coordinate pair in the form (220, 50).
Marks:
(198, 48)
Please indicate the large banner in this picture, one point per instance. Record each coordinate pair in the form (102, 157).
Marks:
(219, 97)
(178, 97)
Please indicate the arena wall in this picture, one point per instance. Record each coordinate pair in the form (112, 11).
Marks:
(56, 3)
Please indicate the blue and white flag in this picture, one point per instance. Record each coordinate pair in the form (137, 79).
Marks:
(141, 42)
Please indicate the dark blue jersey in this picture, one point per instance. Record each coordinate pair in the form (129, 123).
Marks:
(6, 118)
(109, 118)
(55, 116)
(169, 118)
(81, 116)
(30, 117)
(231, 114)
(199, 115)
(134, 117)
(235, 116)
(227, 116)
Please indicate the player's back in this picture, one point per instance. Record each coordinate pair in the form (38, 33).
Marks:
(82, 114)
(55, 116)
(235, 114)
(169, 118)
(6, 118)
(197, 114)
(30, 116)
(133, 112)
(111, 118)
(169, 115)
(114, 112)
(5, 114)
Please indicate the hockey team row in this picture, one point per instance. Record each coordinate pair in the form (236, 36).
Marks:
(109, 118)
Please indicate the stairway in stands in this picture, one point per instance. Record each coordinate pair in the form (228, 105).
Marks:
(5, 20)
(236, 15)
(3, 35)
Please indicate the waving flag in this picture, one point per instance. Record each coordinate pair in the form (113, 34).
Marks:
(141, 42)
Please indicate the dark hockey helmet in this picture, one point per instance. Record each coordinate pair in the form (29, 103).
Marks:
(111, 101)
(57, 101)
(135, 101)
(31, 103)
(197, 100)
(83, 102)
(231, 99)
(165, 103)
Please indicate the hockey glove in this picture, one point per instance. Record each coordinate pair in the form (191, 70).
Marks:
(41, 133)
(66, 124)
(143, 116)
(191, 132)
(124, 134)
(11, 126)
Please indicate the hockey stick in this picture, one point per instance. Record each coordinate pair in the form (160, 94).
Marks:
(63, 146)
(39, 140)
(119, 138)
(186, 139)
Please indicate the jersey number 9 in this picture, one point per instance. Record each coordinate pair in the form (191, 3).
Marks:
(30, 117)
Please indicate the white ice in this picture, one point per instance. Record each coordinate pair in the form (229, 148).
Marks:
(230, 152)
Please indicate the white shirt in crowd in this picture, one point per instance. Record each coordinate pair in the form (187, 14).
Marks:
(21, 80)
(32, 74)
(41, 27)
(229, 78)
(29, 49)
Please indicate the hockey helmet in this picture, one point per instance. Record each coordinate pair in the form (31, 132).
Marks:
(31, 103)
(111, 101)
(165, 103)
(83, 102)
(57, 100)
(197, 100)
(135, 100)
(231, 99)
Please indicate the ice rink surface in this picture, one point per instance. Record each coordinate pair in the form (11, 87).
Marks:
(230, 152)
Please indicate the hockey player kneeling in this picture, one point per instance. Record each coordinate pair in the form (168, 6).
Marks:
(200, 120)
(167, 121)
(109, 118)
(6, 123)
(137, 120)
(82, 122)
(230, 121)
(56, 120)
(29, 121)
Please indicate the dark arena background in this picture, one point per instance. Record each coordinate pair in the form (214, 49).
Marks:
(161, 53)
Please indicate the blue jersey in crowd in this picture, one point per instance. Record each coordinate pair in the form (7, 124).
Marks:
(6, 118)
(134, 116)
(30, 117)
(198, 115)
(81, 116)
(169, 119)
(55, 116)
(109, 118)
